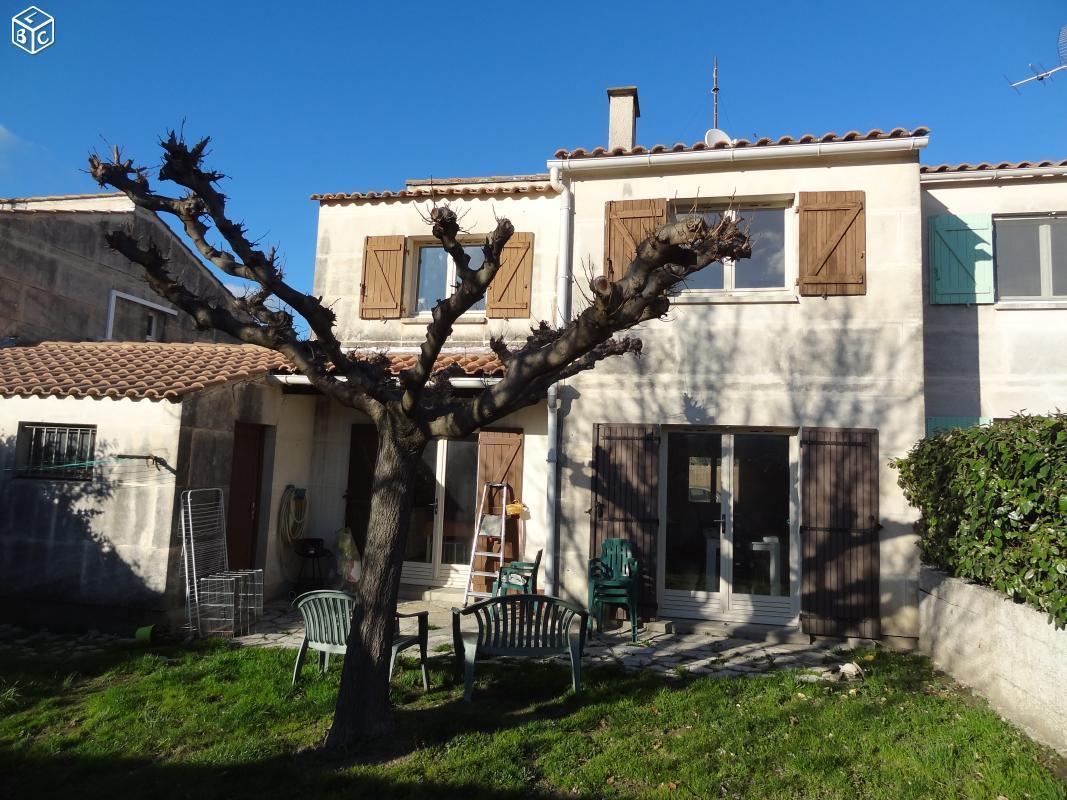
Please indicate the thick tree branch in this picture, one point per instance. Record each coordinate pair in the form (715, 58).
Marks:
(182, 165)
(473, 285)
(305, 356)
(670, 254)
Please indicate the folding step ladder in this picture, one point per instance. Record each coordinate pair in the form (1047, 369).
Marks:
(488, 529)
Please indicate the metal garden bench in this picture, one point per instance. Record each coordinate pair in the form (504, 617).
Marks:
(519, 625)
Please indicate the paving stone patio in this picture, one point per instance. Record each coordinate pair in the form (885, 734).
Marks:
(664, 653)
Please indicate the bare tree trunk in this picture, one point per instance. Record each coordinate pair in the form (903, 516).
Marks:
(363, 708)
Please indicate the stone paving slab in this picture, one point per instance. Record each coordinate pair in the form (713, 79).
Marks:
(664, 653)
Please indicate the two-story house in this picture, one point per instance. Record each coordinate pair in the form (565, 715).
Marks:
(745, 453)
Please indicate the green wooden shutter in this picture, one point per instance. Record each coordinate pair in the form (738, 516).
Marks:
(961, 258)
(939, 424)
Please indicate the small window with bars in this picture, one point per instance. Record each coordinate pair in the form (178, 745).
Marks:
(55, 452)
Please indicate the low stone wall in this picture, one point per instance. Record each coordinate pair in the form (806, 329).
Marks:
(1008, 652)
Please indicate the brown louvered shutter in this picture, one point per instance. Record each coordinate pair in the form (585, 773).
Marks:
(383, 277)
(500, 461)
(626, 497)
(626, 224)
(839, 532)
(509, 293)
(833, 242)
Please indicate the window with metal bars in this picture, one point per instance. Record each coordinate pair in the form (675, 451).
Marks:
(55, 451)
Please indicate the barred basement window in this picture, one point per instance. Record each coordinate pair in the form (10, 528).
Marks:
(54, 451)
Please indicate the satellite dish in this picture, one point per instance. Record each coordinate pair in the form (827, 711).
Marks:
(716, 136)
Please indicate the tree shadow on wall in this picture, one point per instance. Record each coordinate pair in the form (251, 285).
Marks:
(73, 553)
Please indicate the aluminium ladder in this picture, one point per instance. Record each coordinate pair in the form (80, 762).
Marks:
(488, 528)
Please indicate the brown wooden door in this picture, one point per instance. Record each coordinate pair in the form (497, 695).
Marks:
(362, 454)
(626, 497)
(839, 532)
(246, 477)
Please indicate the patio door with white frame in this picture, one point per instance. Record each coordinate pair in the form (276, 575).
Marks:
(442, 520)
(729, 537)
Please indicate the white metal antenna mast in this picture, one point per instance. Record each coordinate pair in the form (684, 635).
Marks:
(1046, 74)
(715, 92)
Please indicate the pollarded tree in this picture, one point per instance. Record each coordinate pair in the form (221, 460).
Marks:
(418, 405)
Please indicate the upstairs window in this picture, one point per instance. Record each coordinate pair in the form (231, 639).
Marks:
(55, 451)
(765, 270)
(437, 276)
(1031, 257)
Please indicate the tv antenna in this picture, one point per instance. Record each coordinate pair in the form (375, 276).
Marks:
(716, 136)
(1041, 75)
(715, 91)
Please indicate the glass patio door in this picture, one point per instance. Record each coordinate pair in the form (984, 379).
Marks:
(728, 540)
(442, 519)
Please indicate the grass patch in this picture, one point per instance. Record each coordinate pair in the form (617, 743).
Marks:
(211, 721)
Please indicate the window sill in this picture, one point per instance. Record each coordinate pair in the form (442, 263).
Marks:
(735, 298)
(471, 319)
(1029, 305)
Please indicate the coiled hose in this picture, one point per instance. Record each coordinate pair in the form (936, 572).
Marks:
(292, 512)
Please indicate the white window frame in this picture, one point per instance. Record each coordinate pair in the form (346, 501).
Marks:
(115, 295)
(436, 572)
(411, 288)
(787, 293)
(1046, 299)
(724, 605)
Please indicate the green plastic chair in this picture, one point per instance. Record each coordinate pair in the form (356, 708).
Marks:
(614, 579)
(327, 617)
(518, 576)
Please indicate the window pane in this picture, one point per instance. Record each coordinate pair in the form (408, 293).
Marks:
(1059, 257)
(433, 278)
(477, 259)
(435, 268)
(420, 532)
(461, 476)
(761, 514)
(1018, 258)
(694, 513)
(766, 268)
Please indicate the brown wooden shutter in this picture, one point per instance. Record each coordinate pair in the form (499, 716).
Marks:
(626, 497)
(500, 461)
(833, 242)
(626, 224)
(383, 277)
(509, 293)
(839, 532)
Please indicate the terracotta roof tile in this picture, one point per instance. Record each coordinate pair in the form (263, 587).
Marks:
(167, 371)
(985, 166)
(437, 192)
(139, 370)
(681, 147)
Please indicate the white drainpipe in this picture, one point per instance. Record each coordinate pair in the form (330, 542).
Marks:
(563, 303)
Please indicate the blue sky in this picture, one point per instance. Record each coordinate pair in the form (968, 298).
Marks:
(315, 97)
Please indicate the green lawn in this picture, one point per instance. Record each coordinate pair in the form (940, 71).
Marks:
(216, 722)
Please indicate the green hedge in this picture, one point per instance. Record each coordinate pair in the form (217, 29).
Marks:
(994, 506)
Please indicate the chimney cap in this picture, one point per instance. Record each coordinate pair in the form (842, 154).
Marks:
(626, 91)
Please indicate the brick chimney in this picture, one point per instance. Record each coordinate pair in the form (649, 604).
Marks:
(623, 111)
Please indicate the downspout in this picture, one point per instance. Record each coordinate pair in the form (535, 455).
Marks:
(563, 303)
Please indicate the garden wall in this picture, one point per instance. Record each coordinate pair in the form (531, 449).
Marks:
(1007, 651)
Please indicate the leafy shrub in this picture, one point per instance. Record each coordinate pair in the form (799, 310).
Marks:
(994, 506)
